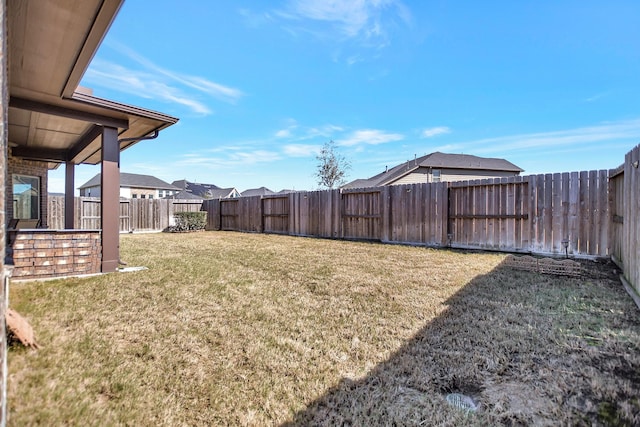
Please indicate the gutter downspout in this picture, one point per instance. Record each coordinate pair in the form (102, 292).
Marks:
(156, 133)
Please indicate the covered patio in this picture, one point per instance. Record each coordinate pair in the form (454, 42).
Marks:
(52, 122)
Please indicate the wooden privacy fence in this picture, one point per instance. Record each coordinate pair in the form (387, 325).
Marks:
(625, 217)
(547, 214)
(135, 214)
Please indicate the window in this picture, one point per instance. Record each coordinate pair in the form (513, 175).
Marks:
(151, 196)
(134, 196)
(26, 197)
(435, 174)
(142, 196)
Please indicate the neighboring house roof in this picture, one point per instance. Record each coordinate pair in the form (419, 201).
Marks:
(183, 195)
(223, 193)
(195, 188)
(134, 180)
(205, 191)
(262, 191)
(436, 160)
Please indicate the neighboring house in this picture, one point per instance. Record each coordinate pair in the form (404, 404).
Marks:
(262, 191)
(132, 186)
(440, 167)
(206, 191)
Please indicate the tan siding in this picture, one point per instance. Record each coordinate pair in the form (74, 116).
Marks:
(423, 175)
(413, 178)
(452, 175)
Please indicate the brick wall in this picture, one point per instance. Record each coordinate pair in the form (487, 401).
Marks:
(32, 168)
(54, 253)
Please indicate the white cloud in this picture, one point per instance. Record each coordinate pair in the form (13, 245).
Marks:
(370, 137)
(300, 133)
(230, 159)
(431, 132)
(139, 83)
(300, 150)
(603, 133)
(283, 133)
(597, 97)
(155, 82)
(368, 21)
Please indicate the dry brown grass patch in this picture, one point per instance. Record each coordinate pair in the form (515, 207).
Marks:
(241, 329)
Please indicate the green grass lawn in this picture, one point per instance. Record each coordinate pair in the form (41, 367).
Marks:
(249, 329)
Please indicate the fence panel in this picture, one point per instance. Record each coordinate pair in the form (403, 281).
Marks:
(631, 218)
(135, 214)
(361, 214)
(489, 214)
(315, 213)
(250, 214)
(125, 215)
(616, 192)
(229, 215)
(212, 207)
(275, 212)
(55, 212)
(90, 213)
(415, 213)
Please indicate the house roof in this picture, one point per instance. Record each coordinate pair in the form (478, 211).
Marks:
(198, 189)
(436, 160)
(222, 193)
(135, 181)
(50, 119)
(262, 191)
(183, 195)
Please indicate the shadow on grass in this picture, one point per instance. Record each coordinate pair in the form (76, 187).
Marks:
(528, 348)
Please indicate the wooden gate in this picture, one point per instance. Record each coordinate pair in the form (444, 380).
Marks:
(489, 214)
(362, 214)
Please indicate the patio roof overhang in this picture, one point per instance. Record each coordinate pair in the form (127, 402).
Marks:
(50, 46)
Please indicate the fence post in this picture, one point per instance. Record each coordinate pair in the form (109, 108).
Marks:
(384, 221)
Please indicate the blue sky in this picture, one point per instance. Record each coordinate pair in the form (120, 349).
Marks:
(552, 86)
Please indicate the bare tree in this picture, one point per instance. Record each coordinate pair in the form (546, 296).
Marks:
(332, 167)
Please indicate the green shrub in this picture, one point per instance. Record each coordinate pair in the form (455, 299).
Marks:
(188, 221)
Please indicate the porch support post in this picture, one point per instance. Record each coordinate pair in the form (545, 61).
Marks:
(110, 194)
(69, 176)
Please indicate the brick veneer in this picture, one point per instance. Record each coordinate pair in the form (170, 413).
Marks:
(54, 253)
